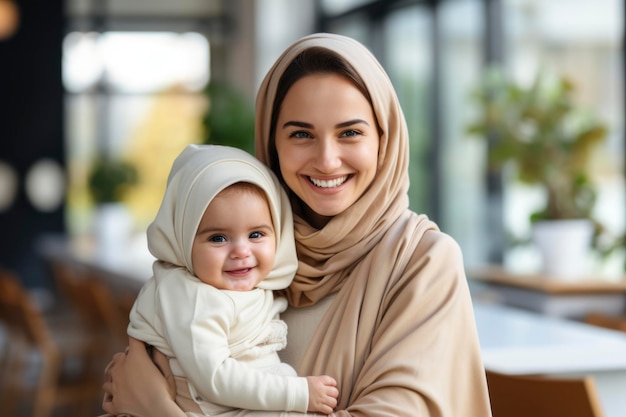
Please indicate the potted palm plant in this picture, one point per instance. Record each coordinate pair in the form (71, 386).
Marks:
(550, 142)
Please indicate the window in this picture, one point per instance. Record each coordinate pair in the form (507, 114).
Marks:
(585, 45)
(136, 95)
(435, 53)
(433, 56)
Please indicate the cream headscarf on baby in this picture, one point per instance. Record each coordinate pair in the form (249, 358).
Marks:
(198, 174)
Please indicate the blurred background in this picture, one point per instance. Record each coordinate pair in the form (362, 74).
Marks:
(97, 98)
(92, 81)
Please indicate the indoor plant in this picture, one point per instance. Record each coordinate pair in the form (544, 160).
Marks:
(109, 180)
(550, 142)
(229, 119)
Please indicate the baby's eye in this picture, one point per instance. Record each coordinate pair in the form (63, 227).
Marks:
(256, 235)
(217, 239)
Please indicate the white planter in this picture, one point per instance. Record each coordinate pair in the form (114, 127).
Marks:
(564, 246)
(112, 230)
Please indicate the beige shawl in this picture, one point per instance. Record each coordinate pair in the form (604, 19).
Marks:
(400, 335)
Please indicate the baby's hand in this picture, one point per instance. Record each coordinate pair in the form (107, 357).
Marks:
(323, 394)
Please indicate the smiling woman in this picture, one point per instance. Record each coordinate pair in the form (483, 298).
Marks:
(328, 135)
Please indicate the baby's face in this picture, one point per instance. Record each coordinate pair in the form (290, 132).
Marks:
(235, 245)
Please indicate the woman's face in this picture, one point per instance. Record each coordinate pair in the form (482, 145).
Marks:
(327, 143)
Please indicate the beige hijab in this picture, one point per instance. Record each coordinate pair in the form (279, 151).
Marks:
(400, 335)
(327, 256)
(198, 174)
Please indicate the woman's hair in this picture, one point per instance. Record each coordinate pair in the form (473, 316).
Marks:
(314, 60)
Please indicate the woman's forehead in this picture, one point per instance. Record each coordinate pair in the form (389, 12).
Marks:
(327, 97)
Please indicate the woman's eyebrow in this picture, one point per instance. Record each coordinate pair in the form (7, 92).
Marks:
(298, 124)
(351, 122)
(338, 125)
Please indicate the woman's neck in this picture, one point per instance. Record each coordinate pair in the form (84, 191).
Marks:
(314, 219)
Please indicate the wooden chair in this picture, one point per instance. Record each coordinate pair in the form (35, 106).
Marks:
(56, 365)
(102, 313)
(612, 322)
(539, 396)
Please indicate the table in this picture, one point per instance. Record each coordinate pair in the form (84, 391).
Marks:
(511, 340)
(128, 272)
(540, 293)
(516, 341)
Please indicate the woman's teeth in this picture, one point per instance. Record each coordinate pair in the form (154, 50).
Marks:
(329, 183)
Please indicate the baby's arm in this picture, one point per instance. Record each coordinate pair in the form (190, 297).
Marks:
(323, 394)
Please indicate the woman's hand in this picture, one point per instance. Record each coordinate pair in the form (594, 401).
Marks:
(134, 385)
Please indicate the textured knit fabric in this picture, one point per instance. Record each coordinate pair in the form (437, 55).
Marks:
(399, 335)
(223, 342)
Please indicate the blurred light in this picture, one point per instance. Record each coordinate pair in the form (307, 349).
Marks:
(136, 62)
(82, 65)
(45, 185)
(9, 18)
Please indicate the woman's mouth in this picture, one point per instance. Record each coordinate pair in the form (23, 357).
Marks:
(336, 182)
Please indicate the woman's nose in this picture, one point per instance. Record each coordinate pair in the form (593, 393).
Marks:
(328, 156)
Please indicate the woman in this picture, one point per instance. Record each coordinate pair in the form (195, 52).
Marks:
(380, 300)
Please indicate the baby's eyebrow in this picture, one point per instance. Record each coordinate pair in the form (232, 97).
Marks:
(208, 230)
(263, 227)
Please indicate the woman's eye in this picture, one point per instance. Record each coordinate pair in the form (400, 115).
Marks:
(300, 134)
(351, 132)
(217, 239)
(256, 235)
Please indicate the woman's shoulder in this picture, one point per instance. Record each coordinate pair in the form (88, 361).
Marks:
(436, 240)
(426, 236)
(437, 257)
(423, 253)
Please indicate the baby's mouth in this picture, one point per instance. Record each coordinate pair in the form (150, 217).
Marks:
(240, 271)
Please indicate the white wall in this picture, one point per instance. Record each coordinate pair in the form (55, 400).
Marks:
(278, 24)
